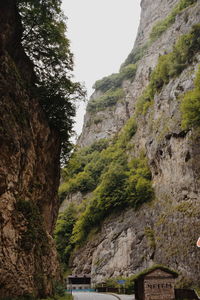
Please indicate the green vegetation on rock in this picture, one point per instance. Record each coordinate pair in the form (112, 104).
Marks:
(83, 169)
(104, 169)
(111, 87)
(86, 165)
(135, 55)
(163, 25)
(110, 98)
(109, 82)
(170, 65)
(123, 184)
(117, 182)
(128, 72)
(158, 29)
(190, 105)
(63, 232)
(115, 80)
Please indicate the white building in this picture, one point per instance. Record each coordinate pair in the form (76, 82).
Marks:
(78, 282)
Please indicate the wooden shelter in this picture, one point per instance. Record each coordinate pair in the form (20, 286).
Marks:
(156, 283)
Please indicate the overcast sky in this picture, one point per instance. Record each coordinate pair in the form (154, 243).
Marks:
(102, 34)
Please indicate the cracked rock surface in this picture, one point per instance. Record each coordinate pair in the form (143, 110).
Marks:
(29, 173)
(166, 230)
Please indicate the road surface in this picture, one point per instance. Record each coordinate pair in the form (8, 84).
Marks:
(126, 297)
(98, 296)
(92, 296)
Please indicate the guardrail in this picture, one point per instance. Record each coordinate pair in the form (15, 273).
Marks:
(121, 290)
(80, 290)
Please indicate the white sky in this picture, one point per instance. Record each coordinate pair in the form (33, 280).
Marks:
(102, 34)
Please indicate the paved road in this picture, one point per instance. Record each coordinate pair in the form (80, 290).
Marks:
(92, 296)
(98, 296)
(127, 297)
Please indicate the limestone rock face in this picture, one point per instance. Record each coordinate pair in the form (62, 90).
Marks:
(103, 124)
(29, 173)
(166, 230)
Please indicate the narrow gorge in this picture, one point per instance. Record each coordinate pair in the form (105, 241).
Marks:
(128, 192)
(131, 190)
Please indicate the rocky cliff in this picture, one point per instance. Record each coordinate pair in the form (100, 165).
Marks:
(166, 229)
(29, 173)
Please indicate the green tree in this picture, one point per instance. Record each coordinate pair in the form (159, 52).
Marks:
(64, 228)
(46, 44)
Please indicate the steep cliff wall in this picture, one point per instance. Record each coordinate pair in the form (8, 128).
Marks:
(164, 231)
(29, 173)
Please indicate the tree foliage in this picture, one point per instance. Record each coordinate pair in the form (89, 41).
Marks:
(121, 185)
(86, 166)
(64, 228)
(45, 42)
(115, 182)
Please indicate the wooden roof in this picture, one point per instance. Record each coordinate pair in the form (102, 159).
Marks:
(155, 267)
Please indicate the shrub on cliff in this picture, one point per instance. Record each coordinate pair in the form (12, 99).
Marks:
(83, 169)
(123, 185)
(139, 188)
(64, 228)
(110, 98)
(135, 56)
(190, 106)
(81, 157)
(160, 27)
(111, 86)
(170, 65)
(128, 72)
(115, 80)
(109, 82)
(127, 132)
(116, 183)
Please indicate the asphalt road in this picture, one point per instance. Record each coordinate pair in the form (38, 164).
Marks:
(127, 297)
(92, 296)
